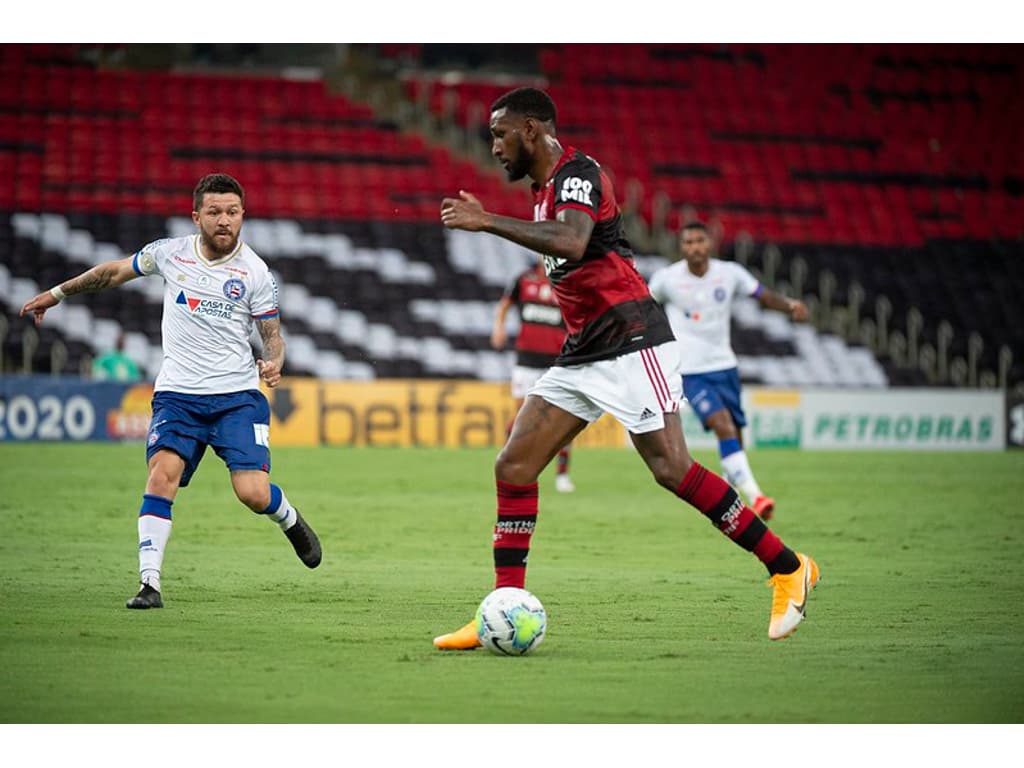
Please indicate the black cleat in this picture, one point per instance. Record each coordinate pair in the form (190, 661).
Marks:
(147, 598)
(307, 545)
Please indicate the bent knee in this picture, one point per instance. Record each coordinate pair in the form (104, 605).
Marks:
(517, 471)
(256, 496)
(669, 474)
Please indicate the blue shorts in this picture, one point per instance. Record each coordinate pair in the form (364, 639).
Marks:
(236, 426)
(713, 391)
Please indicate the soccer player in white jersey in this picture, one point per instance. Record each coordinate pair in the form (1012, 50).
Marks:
(697, 294)
(207, 392)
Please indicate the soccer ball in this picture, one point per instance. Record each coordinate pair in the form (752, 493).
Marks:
(511, 622)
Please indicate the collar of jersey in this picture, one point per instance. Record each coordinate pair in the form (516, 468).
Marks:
(567, 154)
(218, 262)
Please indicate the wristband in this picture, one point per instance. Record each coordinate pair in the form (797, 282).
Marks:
(58, 294)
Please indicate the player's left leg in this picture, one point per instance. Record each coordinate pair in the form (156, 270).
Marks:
(241, 437)
(792, 574)
(254, 489)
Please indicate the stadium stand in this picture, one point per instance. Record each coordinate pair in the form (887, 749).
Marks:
(886, 171)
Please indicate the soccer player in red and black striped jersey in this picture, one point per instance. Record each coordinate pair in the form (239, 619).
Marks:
(538, 343)
(619, 357)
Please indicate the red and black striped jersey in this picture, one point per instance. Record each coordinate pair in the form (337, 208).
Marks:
(607, 308)
(541, 328)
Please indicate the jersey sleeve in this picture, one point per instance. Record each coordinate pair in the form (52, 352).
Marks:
(746, 284)
(150, 258)
(578, 186)
(264, 303)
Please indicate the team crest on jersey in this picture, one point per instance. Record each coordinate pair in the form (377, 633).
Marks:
(234, 289)
(719, 294)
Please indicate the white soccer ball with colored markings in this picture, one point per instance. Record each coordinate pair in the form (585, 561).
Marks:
(511, 622)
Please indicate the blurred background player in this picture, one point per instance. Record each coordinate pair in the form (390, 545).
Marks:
(540, 340)
(207, 392)
(619, 357)
(116, 365)
(697, 293)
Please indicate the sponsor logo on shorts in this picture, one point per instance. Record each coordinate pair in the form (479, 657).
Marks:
(647, 414)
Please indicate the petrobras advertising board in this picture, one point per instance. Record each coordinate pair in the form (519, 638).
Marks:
(905, 419)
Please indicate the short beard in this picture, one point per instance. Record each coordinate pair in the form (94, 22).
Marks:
(212, 247)
(515, 172)
(520, 167)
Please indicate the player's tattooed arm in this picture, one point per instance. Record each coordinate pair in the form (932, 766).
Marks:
(272, 361)
(109, 274)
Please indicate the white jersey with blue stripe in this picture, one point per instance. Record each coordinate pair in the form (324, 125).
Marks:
(209, 311)
(700, 310)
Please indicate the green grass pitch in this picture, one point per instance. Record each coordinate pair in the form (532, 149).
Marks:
(654, 617)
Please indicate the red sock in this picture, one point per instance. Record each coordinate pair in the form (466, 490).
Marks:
(563, 461)
(517, 516)
(718, 501)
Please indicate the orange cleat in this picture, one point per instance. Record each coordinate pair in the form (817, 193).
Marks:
(764, 506)
(464, 639)
(789, 597)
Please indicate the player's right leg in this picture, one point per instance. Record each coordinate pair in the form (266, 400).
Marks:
(174, 448)
(165, 471)
(539, 432)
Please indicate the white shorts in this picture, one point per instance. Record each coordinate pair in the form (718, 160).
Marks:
(524, 378)
(637, 389)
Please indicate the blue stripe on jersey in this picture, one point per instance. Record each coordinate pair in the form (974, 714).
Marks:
(157, 506)
(758, 291)
(267, 315)
(135, 263)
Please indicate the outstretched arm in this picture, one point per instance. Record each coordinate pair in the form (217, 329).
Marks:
(109, 274)
(795, 308)
(565, 238)
(273, 350)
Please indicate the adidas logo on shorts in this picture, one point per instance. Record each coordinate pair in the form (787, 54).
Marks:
(647, 414)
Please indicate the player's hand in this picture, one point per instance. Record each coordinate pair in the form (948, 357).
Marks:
(498, 339)
(797, 310)
(466, 213)
(270, 372)
(38, 306)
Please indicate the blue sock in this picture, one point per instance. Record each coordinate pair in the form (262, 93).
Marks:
(729, 446)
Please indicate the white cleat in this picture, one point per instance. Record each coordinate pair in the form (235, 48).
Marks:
(563, 484)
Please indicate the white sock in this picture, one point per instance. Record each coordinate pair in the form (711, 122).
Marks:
(736, 469)
(153, 535)
(279, 510)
